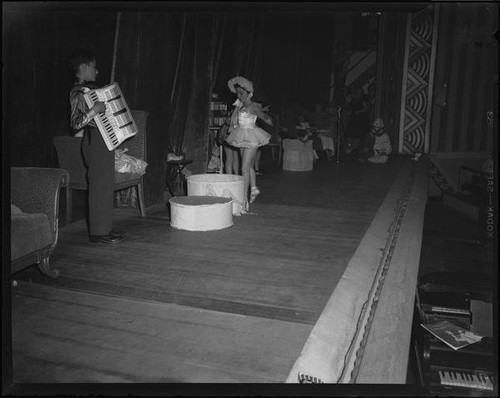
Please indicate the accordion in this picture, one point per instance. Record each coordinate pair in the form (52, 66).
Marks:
(116, 124)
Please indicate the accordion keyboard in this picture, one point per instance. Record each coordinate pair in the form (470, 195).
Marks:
(106, 123)
(116, 124)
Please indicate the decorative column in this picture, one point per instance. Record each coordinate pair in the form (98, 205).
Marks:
(418, 77)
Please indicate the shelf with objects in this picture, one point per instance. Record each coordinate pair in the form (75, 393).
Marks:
(219, 117)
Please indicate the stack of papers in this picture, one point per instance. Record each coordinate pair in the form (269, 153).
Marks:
(452, 335)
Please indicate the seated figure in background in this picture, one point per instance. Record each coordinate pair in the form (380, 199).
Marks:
(288, 120)
(357, 119)
(376, 147)
(305, 131)
(231, 154)
(303, 127)
(323, 120)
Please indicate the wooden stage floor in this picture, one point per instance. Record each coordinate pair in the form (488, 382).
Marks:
(229, 306)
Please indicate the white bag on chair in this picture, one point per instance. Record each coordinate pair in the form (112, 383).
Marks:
(129, 164)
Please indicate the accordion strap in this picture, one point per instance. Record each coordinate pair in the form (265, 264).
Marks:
(84, 89)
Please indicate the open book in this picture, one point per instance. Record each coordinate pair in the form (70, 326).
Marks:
(452, 335)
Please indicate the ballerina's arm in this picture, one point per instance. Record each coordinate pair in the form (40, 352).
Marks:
(257, 110)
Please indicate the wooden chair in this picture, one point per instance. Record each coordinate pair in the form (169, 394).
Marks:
(276, 150)
(71, 159)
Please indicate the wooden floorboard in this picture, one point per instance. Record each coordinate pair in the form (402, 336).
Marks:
(119, 340)
(277, 266)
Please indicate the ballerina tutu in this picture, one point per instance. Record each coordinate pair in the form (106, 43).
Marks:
(246, 134)
(242, 137)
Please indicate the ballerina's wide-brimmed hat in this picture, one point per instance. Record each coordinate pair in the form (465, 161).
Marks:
(241, 81)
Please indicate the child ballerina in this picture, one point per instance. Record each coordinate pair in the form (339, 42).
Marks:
(245, 135)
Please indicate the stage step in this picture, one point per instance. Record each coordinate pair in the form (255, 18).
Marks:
(463, 203)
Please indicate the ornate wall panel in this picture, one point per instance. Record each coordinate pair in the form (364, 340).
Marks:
(418, 74)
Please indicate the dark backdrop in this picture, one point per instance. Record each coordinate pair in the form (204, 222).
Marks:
(169, 58)
(166, 63)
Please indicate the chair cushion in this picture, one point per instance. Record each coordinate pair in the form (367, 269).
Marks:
(29, 233)
(121, 177)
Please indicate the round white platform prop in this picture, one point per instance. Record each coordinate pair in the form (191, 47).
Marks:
(297, 156)
(200, 213)
(221, 185)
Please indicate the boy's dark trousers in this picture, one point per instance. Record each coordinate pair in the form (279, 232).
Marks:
(100, 175)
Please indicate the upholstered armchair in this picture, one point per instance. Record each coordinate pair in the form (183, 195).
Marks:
(70, 158)
(35, 216)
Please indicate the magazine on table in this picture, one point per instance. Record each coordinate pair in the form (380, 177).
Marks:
(452, 335)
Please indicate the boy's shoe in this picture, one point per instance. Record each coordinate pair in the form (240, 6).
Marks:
(105, 239)
(254, 192)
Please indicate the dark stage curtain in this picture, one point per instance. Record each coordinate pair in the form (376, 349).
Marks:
(391, 51)
(37, 80)
(168, 64)
(238, 49)
(163, 66)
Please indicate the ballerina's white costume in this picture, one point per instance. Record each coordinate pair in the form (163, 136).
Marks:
(243, 132)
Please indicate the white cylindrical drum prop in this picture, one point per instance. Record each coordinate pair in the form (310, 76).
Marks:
(297, 155)
(200, 213)
(221, 185)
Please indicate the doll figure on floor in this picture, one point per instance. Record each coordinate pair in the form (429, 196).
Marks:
(377, 144)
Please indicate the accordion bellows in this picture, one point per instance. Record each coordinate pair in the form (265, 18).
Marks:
(116, 124)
